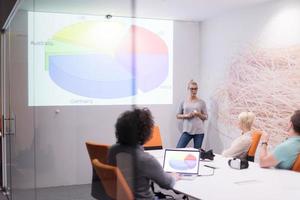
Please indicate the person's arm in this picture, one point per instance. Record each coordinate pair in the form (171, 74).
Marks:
(185, 116)
(181, 115)
(155, 172)
(237, 148)
(203, 113)
(266, 159)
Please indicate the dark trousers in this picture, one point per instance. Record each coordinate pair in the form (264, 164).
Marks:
(186, 138)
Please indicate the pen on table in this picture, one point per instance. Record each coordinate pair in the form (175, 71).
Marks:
(210, 167)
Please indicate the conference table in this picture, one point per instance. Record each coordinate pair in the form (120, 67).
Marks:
(227, 183)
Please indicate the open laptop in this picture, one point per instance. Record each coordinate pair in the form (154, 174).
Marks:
(182, 161)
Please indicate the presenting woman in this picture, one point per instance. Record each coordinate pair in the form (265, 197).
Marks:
(193, 113)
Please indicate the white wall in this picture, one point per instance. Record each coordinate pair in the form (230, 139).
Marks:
(54, 137)
(270, 25)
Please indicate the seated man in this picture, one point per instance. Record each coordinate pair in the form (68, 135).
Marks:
(240, 146)
(133, 129)
(285, 154)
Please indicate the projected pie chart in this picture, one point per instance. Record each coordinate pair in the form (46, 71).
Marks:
(100, 60)
(179, 163)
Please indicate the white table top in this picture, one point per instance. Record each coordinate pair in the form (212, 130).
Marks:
(231, 184)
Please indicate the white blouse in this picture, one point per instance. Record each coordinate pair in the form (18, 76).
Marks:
(240, 146)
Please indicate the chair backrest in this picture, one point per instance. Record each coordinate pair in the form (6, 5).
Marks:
(296, 166)
(155, 141)
(97, 151)
(255, 141)
(100, 152)
(113, 181)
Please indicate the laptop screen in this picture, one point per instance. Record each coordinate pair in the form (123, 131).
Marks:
(181, 161)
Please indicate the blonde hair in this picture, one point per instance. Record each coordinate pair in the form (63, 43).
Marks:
(192, 82)
(246, 119)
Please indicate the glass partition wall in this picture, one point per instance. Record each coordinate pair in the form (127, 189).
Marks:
(19, 118)
(57, 56)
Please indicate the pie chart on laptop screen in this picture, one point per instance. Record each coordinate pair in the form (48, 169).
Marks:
(183, 163)
(98, 59)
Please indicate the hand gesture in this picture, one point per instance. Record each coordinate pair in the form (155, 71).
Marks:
(189, 115)
(199, 114)
(176, 176)
(265, 137)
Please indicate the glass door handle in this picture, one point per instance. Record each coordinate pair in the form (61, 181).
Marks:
(10, 126)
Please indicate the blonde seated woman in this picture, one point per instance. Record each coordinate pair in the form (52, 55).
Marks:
(240, 146)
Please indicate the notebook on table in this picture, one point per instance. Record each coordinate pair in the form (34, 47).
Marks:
(182, 161)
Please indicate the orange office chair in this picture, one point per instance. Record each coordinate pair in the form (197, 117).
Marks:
(296, 166)
(155, 141)
(97, 151)
(255, 140)
(114, 183)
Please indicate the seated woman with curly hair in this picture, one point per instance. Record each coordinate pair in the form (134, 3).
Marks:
(133, 129)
